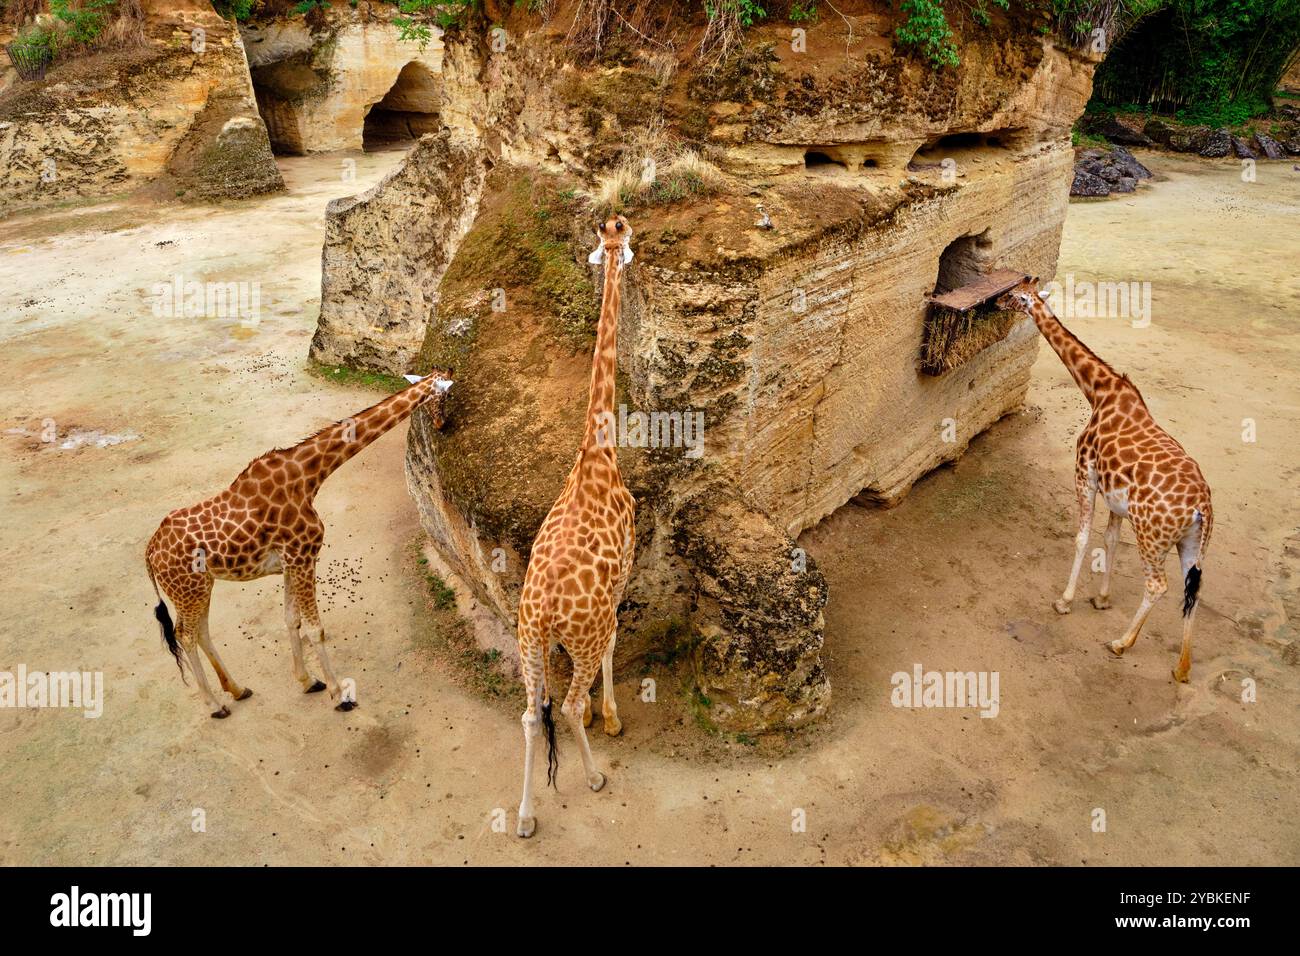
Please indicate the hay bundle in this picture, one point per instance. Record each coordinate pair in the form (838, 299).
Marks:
(954, 336)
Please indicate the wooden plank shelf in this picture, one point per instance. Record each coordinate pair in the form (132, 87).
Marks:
(981, 290)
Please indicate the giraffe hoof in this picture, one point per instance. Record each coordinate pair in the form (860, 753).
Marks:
(248, 692)
(1101, 603)
(1115, 647)
(345, 705)
(527, 827)
(1182, 676)
(596, 781)
(315, 688)
(221, 714)
(613, 726)
(1062, 607)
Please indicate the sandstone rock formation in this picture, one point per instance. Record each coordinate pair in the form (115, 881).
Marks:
(375, 304)
(319, 89)
(178, 110)
(797, 346)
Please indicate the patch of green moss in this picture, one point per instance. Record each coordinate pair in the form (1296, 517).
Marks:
(523, 237)
(670, 640)
(699, 705)
(357, 378)
(449, 636)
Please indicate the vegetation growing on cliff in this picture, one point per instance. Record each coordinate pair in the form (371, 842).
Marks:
(75, 26)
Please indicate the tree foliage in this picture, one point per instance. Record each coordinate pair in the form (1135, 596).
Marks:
(1213, 61)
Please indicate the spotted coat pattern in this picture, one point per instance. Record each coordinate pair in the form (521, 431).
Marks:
(582, 555)
(263, 524)
(1141, 472)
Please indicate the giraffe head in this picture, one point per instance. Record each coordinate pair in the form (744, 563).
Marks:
(1022, 298)
(615, 237)
(436, 385)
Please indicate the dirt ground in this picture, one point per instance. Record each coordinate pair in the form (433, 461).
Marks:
(161, 411)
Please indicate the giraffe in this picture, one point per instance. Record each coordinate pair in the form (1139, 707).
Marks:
(1141, 472)
(263, 524)
(581, 557)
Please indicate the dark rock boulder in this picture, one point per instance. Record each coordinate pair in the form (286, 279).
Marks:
(1217, 146)
(1117, 132)
(1112, 174)
(1191, 139)
(1088, 184)
(1158, 131)
(1128, 163)
(1241, 150)
(1099, 172)
(1269, 146)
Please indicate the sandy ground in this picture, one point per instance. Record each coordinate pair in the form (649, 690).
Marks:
(959, 577)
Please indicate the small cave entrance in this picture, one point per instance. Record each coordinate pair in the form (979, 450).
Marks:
(961, 316)
(281, 88)
(408, 110)
(855, 157)
(817, 160)
(965, 146)
(964, 260)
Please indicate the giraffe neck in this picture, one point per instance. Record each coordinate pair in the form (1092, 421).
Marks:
(604, 361)
(1088, 371)
(322, 453)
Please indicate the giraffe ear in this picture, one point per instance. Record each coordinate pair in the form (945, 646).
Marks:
(597, 255)
(413, 378)
(442, 384)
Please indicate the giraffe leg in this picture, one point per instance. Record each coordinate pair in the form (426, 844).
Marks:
(228, 683)
(1189, 554)
(584, 673)
(1087, 495)
(292, 622)
(608, 708)
(304, 599)
(1102, 600)
(188, 635)
(586, 709)
(532, 668)
(1155, 590)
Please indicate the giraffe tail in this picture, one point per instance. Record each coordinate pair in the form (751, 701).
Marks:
(1192, 582)
(548, 719)
(165, 622)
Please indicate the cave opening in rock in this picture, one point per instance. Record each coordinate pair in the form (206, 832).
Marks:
(963, 261)
(408, 110)
(816, 160)
(969, 145)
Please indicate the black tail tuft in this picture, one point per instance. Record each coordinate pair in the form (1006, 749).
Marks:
(169, 634)
(1191, 588)
(552, 756)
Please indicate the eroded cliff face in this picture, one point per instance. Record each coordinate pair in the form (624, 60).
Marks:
(797, 346)
(317, 85)
(178, 111)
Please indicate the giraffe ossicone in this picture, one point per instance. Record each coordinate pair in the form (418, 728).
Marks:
(264, 523)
